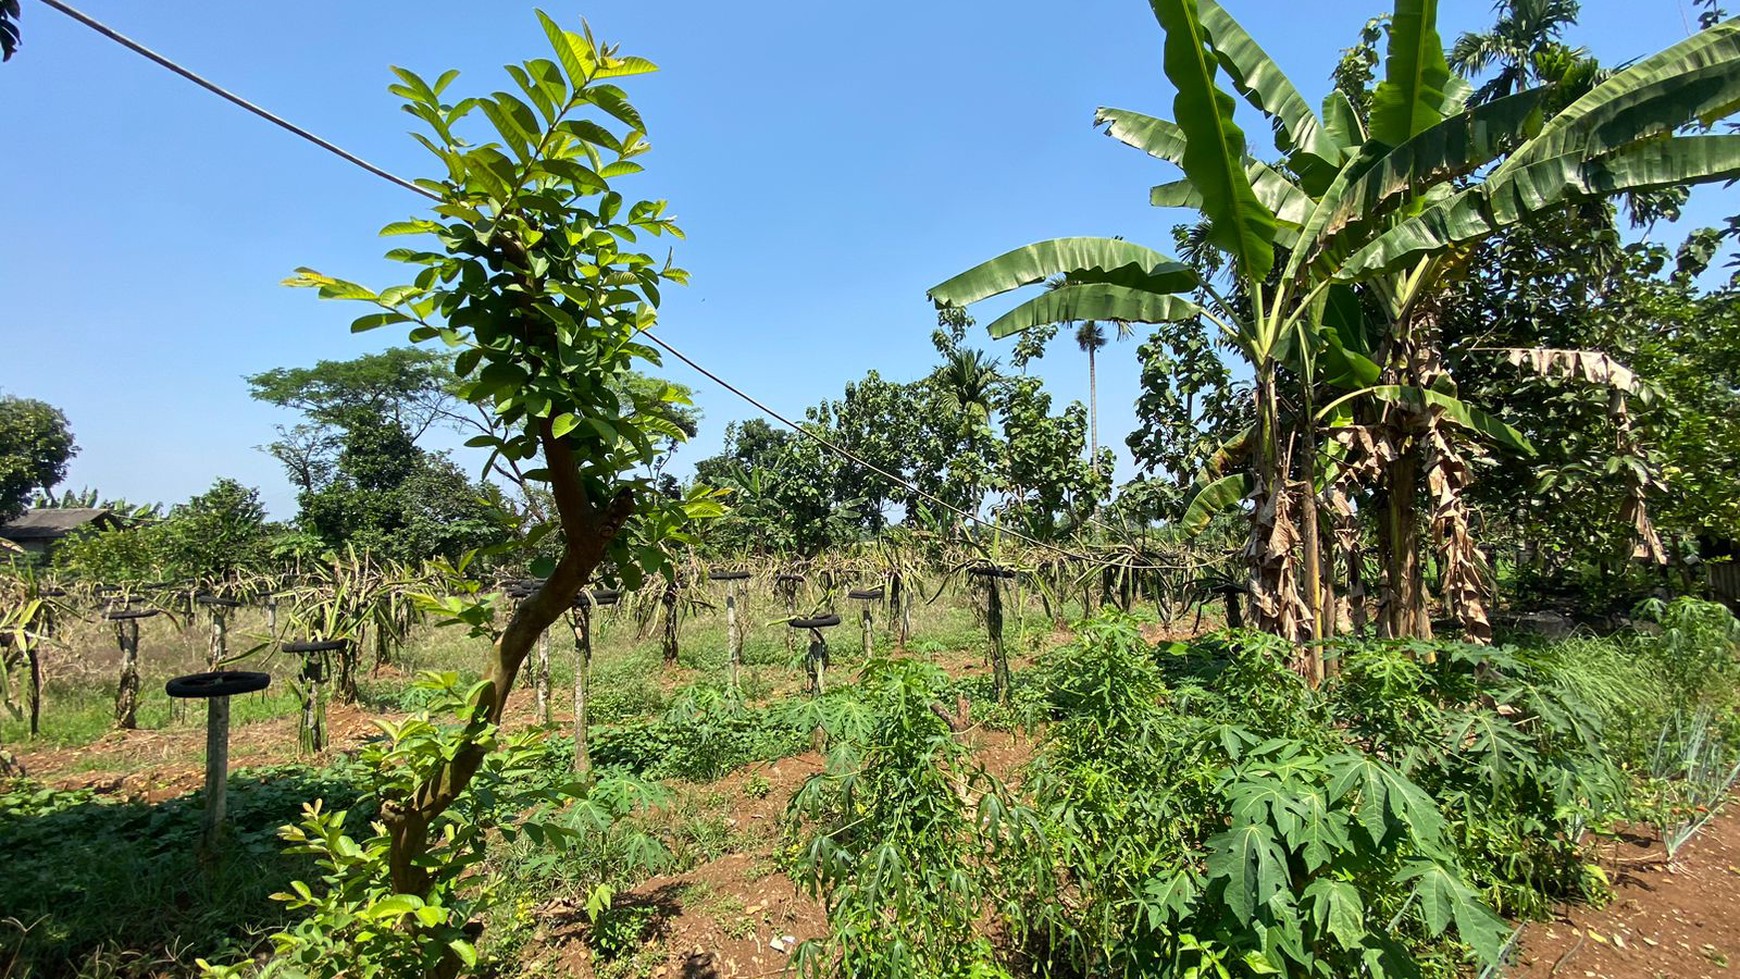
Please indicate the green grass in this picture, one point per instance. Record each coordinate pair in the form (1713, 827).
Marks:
(629, 678)
(89, 879)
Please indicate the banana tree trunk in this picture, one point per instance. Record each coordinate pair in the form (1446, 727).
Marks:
(1312, 659)
(1273, 586)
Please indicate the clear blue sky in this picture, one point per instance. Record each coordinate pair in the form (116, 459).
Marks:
(829, 162)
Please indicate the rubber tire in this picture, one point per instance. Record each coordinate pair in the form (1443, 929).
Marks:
(130, 613)
(323, 646)
(819, 622)
(728, 576)
(865, 594)
(222, 683)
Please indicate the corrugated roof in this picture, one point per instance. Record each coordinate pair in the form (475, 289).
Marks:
(51, 523)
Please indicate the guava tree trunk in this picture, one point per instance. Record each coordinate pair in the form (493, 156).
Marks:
(588, 528)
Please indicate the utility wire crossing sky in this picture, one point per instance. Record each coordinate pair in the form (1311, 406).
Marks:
(829, 164)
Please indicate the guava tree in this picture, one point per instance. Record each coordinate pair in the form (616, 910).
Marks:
(536, 279)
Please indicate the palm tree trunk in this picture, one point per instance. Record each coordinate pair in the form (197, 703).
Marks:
(1093, 413)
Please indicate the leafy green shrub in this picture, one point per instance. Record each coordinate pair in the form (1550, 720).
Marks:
(1695, 757)
(1506, 747)
(704, 734)
(355, 923)
(1223, 824)
(88, 873)
(620, 928)
(890, 841)
(617, 698)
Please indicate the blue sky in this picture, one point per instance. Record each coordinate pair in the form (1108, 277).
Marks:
(828, 161)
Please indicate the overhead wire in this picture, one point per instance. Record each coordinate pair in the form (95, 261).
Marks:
(393, 178)
(233, 98)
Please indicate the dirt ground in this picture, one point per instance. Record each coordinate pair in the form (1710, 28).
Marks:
(1666, 921)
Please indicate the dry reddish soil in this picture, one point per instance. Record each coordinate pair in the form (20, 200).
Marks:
(736, 916)
(1678, 920)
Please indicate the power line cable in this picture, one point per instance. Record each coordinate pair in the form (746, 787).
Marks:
(851, 456)
(229, 96)
(331, 147)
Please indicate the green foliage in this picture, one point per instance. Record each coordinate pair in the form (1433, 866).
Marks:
(967, 433)
(1513, 753)
(217, 533)
(1199, 810)
(89, 876)
(897, 837)
(353, 923)
(215, 536)
(35, 442)
(705, 733)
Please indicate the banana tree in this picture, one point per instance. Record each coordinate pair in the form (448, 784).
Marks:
(1369, 215)
(1401, 215)
(1251, 210)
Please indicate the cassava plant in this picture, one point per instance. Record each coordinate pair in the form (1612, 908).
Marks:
(534, 277)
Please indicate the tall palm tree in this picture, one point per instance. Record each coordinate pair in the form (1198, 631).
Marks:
(1526, 33)
(1091, 339)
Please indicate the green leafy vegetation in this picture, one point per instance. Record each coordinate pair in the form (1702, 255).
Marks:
(1406, 379)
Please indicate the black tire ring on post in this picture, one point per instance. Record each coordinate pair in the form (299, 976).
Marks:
(322, 646)
(222, 683)
(865, 594)
(728, 576)
(819, 622)
(784, 578)
(218, 601)
(126, 614)
(992, 571)
(603, 596)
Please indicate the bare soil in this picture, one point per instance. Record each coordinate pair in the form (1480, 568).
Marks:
(1678, 920)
